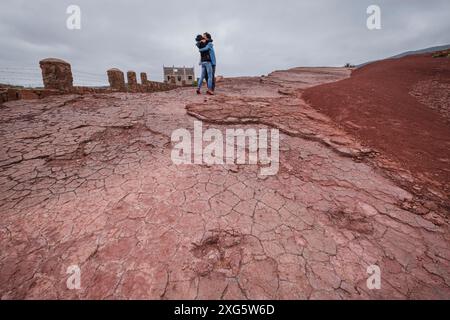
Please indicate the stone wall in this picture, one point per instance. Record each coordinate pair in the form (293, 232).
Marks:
(57, 79)
(153, 86)
(146, 85)
(12, 94)
(88, 90)
(117, 82)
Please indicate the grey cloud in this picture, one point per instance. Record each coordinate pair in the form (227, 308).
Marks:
(251, 37)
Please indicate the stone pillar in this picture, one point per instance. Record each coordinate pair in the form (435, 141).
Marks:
(132, 82)
(144, 78)
(56, 74)
(3, 96)
(116, 79)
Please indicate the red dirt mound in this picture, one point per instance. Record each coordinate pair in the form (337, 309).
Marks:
(400, 107)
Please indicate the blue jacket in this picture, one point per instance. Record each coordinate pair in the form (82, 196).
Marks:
(210, 47)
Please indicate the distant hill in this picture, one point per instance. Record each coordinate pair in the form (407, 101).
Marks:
(399, 108)
(431, 49)
(408, 53)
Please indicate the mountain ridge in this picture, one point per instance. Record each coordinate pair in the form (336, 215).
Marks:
(409, 53)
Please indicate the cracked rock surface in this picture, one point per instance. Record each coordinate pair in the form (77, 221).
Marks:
(88, 181)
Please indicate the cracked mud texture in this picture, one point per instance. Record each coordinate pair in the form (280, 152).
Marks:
(88, 181)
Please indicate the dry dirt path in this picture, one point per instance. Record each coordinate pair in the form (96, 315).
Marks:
(89, 181)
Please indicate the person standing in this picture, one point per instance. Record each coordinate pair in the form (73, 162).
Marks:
(207, 39)
(206, 64)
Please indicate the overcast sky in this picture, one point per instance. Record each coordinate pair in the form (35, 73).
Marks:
(251, 37)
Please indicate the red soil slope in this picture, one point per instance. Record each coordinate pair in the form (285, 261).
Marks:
(399, 107)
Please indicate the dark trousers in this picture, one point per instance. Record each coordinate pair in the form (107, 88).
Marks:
(213, 79)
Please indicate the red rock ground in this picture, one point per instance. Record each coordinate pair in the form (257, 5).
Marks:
(88, 181)
(401, 108)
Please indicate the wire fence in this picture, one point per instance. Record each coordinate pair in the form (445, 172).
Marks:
(32, 77)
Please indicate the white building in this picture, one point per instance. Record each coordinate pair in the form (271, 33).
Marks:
(179, 76)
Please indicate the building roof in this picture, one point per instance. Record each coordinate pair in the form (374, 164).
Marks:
(178, 71)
